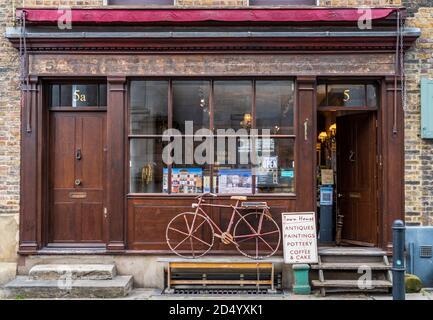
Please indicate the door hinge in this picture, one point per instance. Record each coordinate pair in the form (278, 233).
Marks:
(105, 213)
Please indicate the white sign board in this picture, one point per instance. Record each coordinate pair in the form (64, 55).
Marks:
(299, 237)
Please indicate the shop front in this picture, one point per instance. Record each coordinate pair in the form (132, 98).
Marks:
(106, 100)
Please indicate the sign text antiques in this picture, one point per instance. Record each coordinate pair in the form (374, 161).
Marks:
(299, 237)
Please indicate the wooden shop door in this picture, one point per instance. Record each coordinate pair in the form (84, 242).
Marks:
(356, 178)
(77, 178)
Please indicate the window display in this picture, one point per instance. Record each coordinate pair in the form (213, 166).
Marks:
(234, 181)
(232, 160)
(184, 180)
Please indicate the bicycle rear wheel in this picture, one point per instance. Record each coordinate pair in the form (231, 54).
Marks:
(190, 235)
(257, 235)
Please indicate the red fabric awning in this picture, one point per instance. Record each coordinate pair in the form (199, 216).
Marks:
(127, 16)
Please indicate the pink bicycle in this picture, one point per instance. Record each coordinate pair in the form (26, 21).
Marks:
(251, 229)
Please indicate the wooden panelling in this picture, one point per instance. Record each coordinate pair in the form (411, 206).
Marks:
(148, 219)
(215, 64)
(31, 170)
(306, 144)
(116, 163)
(392, 135)
(78, 143)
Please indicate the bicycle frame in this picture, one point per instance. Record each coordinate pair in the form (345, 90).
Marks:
(235, 212)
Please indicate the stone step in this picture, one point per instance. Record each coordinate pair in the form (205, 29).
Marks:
(349, 266)
(73, 271)
(375, 284)
(27, 287)
(341, 251)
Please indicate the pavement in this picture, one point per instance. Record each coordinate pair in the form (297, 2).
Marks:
(156, 294)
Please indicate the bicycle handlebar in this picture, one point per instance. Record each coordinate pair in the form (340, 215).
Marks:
(206, 194)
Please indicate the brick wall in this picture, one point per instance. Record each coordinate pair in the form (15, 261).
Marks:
(419, 152)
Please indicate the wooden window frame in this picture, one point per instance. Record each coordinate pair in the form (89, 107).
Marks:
(364, 82)
(291, 137)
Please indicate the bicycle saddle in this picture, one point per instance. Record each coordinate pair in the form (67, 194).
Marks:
(254, 204)
(241, 198)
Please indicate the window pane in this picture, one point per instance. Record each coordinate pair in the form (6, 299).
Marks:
(274, 106)
(78, 95)
(340, 95)
(146, 166)
(232, 104)
(148, 107)
(232, 170)
(321, 95)
(102, 95)
(191, 103)
(372, 96)
(55, 95)
(275, 170)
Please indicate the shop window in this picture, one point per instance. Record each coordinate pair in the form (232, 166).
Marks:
(282, 2)
(211, 146)
(76, 95)
(360, 95)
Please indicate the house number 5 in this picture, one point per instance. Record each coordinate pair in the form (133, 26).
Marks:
(346, 95)
(78, 96)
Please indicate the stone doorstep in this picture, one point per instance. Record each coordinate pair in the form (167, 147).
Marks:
(73, 271)
(8, 271)
(22, 286)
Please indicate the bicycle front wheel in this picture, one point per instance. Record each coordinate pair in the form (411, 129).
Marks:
(257, 235)
(190, 235)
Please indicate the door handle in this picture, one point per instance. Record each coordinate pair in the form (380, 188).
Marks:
(77, 182)
(306, 129)
(78, 154)
(339, 195)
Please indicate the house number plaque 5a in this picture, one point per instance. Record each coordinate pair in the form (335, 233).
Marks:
(78, 96)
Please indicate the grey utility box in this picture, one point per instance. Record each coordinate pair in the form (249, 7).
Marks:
(419, 247)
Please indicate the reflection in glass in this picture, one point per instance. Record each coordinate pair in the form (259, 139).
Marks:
(274, 106)
(275, 166)
(372, 96)
(191, 103)
(321, 95)
(232, 104)
(148, 107)
(146, 166)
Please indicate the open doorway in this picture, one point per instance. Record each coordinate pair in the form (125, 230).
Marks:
(347, 177)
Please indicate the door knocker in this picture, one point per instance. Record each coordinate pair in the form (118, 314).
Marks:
(352, 156)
